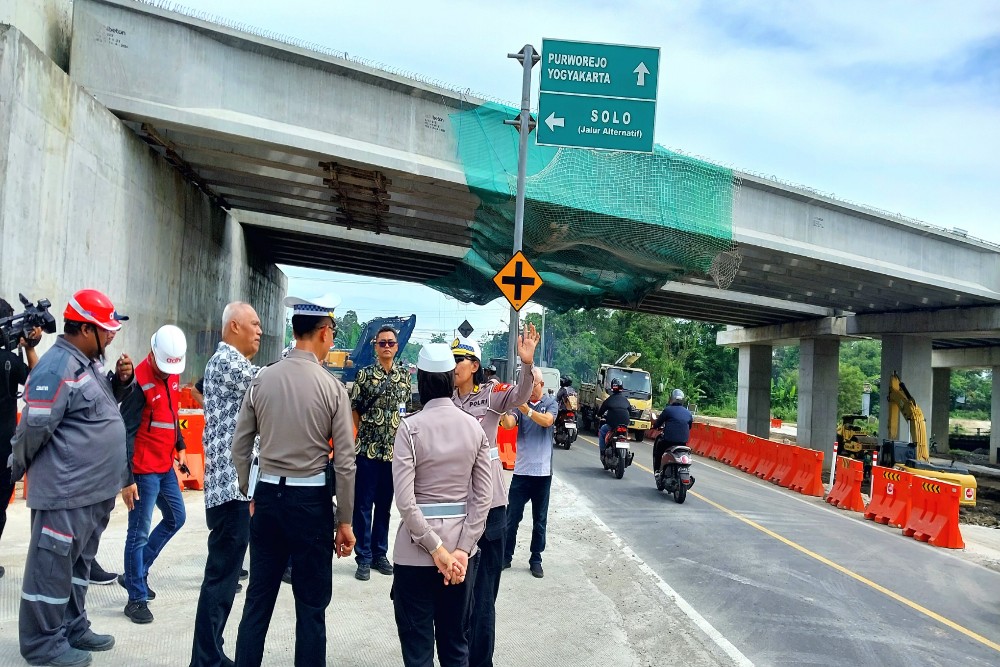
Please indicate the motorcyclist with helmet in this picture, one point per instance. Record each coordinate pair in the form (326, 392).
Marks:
(675, 422)
(615, 410)
(565, 392)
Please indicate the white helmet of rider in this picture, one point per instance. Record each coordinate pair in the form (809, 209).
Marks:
(169, 349)
(676, 396)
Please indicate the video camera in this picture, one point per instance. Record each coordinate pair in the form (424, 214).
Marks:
(18, 326)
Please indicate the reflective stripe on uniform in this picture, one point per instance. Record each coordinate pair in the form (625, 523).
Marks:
(162, 425)
(147, 387)
(30, 597)
(80, 582)
(39, 411)
(62, 537)
(442, 510)
(79, 383)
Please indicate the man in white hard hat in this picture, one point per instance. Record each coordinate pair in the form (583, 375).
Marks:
(153, 439)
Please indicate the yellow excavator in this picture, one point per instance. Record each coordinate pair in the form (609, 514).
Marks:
(914, 456)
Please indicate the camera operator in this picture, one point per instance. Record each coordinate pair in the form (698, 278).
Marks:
(13, 374)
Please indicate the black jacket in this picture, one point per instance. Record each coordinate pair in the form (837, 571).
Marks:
(675, 420)
(615, 410)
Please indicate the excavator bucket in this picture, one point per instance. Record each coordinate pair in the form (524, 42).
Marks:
(628, 359)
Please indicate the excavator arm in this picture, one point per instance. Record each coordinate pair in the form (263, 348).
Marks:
(901, 402)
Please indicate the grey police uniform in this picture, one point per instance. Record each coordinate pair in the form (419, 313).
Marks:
(296, 407)
(487, 403)
(444, 488)
(71, 441)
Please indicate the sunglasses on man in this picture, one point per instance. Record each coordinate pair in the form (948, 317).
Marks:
(386, 343)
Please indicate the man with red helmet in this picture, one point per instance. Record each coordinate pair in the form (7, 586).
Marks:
(72, 440)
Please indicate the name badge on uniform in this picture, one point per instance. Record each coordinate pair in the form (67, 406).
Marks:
(494, 453)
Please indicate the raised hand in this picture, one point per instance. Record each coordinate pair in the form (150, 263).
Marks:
(526, 343)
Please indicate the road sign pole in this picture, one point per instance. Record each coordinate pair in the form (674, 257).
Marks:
(527, 57)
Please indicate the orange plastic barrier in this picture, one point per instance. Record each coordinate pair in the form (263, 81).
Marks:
(196, 480)
(768, 459)
(730, 448)
(807, 472)
(782, 474)
(751, 453)
(507, 444)
(934, 513)
(846, 490)
(890, 503)
(716, 444)
(192, 428)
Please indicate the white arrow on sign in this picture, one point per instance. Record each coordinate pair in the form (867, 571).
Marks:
(642, 72)
(554, 122)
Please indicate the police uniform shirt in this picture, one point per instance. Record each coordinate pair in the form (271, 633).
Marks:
(297, 407)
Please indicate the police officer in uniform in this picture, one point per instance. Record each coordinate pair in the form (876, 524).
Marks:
(487, 402)
(296, 407)
(444, 489)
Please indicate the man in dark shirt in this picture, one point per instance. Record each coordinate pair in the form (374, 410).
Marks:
(675, 420)
(615, 410)
(13, 374)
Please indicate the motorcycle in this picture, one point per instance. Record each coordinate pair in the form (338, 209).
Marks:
(618, 452)
(565, 431)
(674, 472)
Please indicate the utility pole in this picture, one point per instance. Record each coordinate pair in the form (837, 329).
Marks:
(525, 124)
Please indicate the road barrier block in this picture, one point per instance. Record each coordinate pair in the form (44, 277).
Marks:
(716, 443)
(846, 490)
(782, 474)
(192, 423)
(196, 480)
(751, 454)
(934, 513)
(507, 445)
(768, 460)
(730, 448)
(890, 503)
(807, 475)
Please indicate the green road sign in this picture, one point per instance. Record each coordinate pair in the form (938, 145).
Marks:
(599, 96)
(595, 122)
(608, 70)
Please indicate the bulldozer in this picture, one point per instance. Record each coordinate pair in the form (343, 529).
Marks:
(914, 456)
(855, 442)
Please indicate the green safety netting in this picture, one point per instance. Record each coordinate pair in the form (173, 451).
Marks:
(597, 224)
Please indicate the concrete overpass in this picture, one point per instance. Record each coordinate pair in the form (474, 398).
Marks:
(330, 163)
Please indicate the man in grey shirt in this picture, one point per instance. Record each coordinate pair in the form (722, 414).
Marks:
(532, 478)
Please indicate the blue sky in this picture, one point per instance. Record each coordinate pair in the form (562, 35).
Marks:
(890, 104)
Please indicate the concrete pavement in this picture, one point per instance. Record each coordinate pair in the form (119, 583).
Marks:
(597, 605)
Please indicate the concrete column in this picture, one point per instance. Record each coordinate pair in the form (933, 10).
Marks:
(819, 379)
(940, 407)
(910, 358)
(994, 414)
(753, 391)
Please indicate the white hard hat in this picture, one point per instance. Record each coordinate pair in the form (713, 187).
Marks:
(435, 358)
(169, 349)
(466, 347)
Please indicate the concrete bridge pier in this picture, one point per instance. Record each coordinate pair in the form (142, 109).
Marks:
(753, 390)
(995, 410)
(910, 358)
(819, 379)
(938, 426)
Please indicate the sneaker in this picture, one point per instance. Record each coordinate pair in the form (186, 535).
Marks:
(71, 657)
(287, 576)
(364, 572)
(239, 587)
(536, 570)
(383, 565)
(151, 594)
(99, 576)
(138, 612)
(91, 641)
(244, 574)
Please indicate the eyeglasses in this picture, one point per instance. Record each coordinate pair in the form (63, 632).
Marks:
(386, 343)
(459, 360)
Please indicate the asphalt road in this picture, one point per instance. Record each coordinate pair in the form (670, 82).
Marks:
(790, 580)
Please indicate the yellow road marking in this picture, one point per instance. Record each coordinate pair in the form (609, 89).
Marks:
(840, 568)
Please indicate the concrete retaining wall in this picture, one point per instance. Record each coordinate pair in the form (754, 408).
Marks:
(47, 23)
(85, 203)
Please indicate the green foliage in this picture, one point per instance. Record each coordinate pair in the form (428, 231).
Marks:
(851, 383)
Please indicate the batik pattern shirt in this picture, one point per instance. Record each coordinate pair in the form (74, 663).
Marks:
(227, 377)
(377, 428)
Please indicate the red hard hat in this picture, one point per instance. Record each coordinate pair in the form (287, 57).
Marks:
(89, 305)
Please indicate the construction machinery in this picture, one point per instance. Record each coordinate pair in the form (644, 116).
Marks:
(855, 442)
(637, 387)
(914, 456)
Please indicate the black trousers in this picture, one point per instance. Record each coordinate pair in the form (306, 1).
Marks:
(428, 612)
(294, 521)
(483, 620)
(6, 488)
(661, 446)
(229, 526)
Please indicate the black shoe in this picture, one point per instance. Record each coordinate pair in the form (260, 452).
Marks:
(364, 572)
(99, 576)
(2, 571)
(383, 565)
(287, 576)
(244, 574)
(138, 612)
(536, 570)
(151, 594)
(506, 564)
(91, 641)
(71, 657)
(239, 587)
